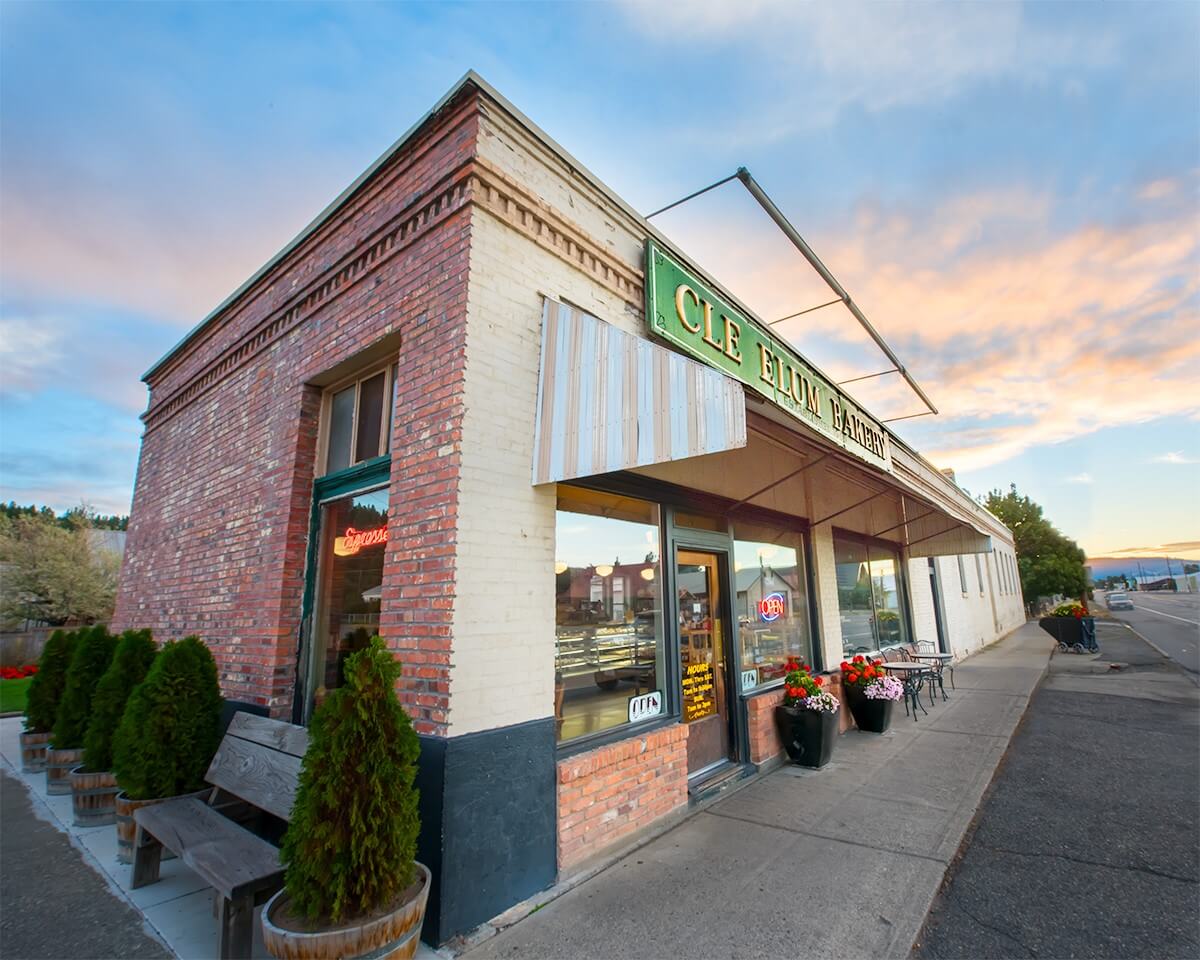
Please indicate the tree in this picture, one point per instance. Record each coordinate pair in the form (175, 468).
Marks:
(171, 725)
(93, 654)
(130, 664)
(46, 688)
(55, 573)
(350, 845)
(1049, 562)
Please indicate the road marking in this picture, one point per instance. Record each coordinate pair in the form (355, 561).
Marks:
(1159, 613)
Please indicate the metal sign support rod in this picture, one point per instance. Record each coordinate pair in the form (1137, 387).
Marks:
(770, 486)
(852, 506)
(902, 523)
(798, 241)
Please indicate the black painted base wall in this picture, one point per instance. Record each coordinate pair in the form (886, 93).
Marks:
(488, 823)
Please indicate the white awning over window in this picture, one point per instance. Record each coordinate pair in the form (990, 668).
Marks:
(608, 400)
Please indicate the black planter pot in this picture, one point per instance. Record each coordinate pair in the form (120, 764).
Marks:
(872, 716)
(807, 734)
(1068, 630)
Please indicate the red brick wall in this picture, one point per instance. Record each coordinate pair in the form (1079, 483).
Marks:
(609, 793)
(220, 516)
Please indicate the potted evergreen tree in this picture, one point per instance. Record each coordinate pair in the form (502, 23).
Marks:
(93, 784)
(167, 735)
(41, 704)
(352, 886)
(93, 653)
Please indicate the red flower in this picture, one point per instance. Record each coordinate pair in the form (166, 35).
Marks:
(819, 681)
(858, 658)
(853, 678)
(845, 665)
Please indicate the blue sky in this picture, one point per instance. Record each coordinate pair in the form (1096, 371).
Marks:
(1010, 192)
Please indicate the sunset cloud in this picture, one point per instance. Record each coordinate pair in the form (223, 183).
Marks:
(1177, 457)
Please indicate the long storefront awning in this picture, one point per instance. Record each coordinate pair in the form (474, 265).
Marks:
(609, 400)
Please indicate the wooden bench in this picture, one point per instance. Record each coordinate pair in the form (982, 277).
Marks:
(256, 768)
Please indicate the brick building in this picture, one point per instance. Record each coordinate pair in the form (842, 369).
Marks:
(481, 407)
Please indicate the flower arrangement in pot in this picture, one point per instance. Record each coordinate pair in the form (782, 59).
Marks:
(870, 693)
(93, 653)
(352, 885)
(807, 717)
(93, 783)
(41, 704)
(168, 734)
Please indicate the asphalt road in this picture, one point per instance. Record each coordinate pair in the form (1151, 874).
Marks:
(1087, 843)
(1170, 621)
(52, 905)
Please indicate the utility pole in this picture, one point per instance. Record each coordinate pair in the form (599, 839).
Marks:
(1141, 575)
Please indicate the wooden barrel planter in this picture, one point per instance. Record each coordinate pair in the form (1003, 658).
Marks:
(58, 769)
(93, 797)
(391, 936)
(123, 807)
(33, 751)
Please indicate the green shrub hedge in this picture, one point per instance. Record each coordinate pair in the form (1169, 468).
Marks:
(93, 653)
(171, 725)
(41, 704)
(130, 664)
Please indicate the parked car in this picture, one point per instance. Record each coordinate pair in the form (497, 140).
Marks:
(1118, 601)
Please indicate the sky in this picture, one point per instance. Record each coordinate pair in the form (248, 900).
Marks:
(1010, 192)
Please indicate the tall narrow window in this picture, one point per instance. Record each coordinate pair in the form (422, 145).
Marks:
(979, 573)
(962, 575)
(771, 602)
(609, 612)
(358, 418)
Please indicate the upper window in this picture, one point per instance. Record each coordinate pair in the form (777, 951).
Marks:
(771, 602)
(358, 419)
(869, 595)
(608, 611)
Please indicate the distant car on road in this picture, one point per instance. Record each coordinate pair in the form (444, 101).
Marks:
(1118, 601)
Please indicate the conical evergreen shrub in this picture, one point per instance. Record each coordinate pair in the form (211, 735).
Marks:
(171, 725)
(130, 664)
(93, 653)
(350, 845)
(46, 687)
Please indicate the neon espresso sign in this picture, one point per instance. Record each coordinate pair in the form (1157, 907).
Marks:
(354, 540)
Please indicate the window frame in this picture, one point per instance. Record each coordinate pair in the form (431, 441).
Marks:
(979, 573)
(902, 582)
(389, 369)
(962, 574)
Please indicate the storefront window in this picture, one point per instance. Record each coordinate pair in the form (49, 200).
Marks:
(358, 420)
(609, 613)
(771, 603)
(869, 596)
(352, 540)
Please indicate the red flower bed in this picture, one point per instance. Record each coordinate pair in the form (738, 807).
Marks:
(17, 673)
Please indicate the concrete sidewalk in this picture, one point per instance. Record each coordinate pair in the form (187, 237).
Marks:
(839, 862)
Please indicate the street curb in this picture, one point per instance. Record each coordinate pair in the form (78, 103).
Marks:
(1162, 653)
(964, 841)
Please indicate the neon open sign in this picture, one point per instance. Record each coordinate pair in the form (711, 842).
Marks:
(771, 607)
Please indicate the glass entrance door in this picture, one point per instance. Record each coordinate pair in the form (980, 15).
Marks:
(704, 655)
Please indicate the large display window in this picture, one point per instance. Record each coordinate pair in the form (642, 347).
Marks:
(609, 652)
(870, 595)
(771, 602)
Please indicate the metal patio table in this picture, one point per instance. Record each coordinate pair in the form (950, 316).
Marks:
(912, 675)
(939, 662)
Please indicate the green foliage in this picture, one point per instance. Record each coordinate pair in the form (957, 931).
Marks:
(41, 705)
(1049, 562)
(349, 848)
(130, 664)
(93, 654)
(171, 725)
(13, 510)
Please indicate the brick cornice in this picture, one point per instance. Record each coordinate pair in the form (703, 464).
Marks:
(474, 182)
(509, 201)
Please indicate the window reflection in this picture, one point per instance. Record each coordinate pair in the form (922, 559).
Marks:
(869, 596)
(771, 602)
(608, 590)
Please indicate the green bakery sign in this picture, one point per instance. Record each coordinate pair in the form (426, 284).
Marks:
(681, 308)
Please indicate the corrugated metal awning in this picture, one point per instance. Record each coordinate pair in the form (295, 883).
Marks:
(609, 400)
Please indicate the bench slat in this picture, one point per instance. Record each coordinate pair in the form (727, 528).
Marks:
(257, 774)
(275, 734)
(228, 858)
